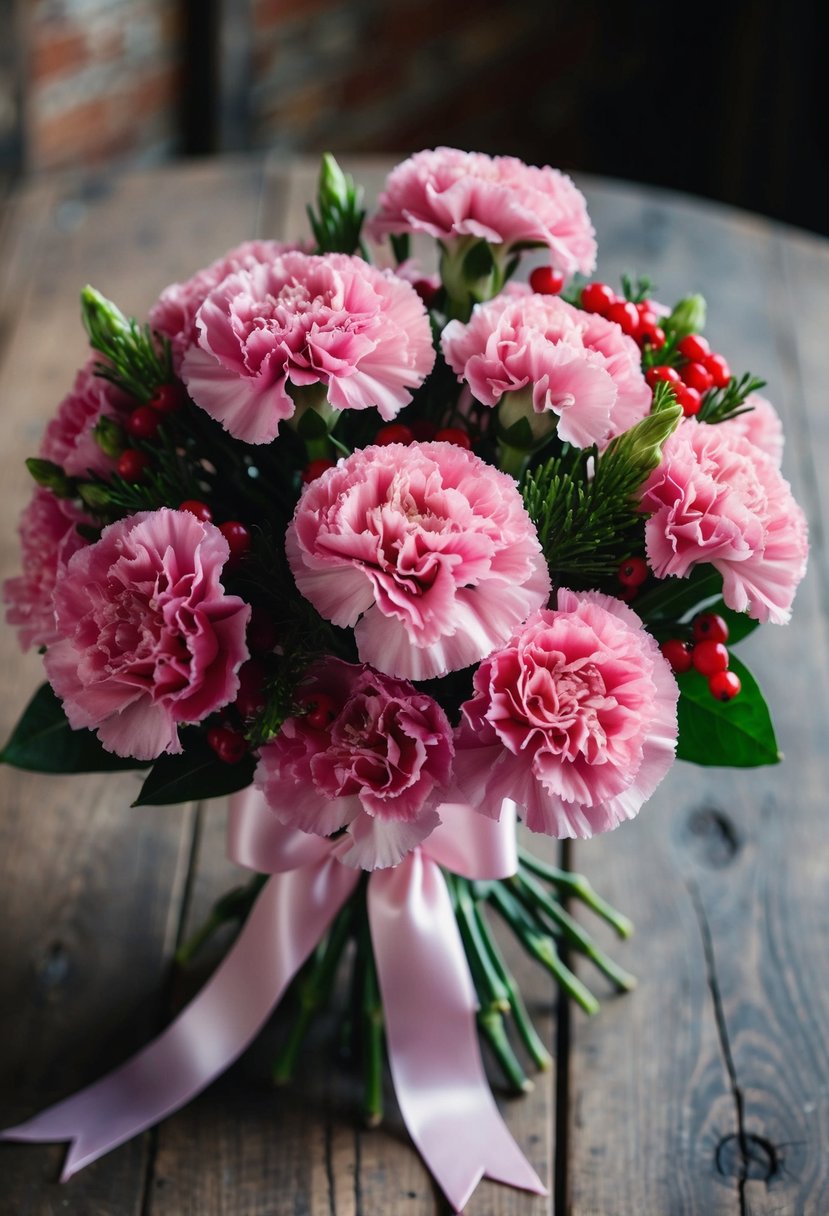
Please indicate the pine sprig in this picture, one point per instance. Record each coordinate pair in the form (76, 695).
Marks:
(724, 403)
(137, 361)
(584, 505)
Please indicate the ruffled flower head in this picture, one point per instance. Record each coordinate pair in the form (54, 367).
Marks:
(361, 334)
(554, 364)
(761, 425)
(574, 720)
(716, 497)
(147, 637)
(452, 195)
(426, 549)
(377, 767)
(69, 440)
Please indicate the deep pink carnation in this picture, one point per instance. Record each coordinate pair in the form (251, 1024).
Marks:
(426, 549)
(761, 425)
(451, 194)
(575, 719)
(717, 498)
(360, 333)
(560, 367)
(377, 768)
(48, 538)
(148, 637)
(174, 313)
(68, 439)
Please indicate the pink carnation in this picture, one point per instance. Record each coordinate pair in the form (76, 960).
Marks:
(717, 498)
(174, 313)
(48, 538)
(427, 550)
(761, 425)
(554, 364)
(575, 719)
(68, 439)
(451, 194)
(360, 333)
(377, 768)
(148, 638)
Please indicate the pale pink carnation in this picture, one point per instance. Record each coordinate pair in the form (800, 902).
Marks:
(761, 425)
(48, 538)
(426, 549)
(68, 439)
(717, 498)
(560, 367)
(148, 638)
(377, 768)
(359, 333)
(174, 313)
(452, 195)
(574, 720)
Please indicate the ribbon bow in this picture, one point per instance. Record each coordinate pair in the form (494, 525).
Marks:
(428, 998)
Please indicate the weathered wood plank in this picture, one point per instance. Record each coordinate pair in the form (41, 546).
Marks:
(705, 1091)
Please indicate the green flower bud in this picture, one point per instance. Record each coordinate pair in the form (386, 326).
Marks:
(688, 317)
(109, 436)
(102, 318)
(94, 494)
(51, 476)
(334, 187)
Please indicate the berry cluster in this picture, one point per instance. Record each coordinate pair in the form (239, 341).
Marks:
(707, 653)
(143, 424)
(700, 370)
(639, 321)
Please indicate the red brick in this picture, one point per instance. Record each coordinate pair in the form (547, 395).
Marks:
(57, 54)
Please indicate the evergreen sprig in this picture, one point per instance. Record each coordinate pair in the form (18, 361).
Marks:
(724, 403)
(339, 223)
(584, 505)
(137, 361)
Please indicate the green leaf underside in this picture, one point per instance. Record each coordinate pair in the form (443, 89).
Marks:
(44, 742)
(195, 774)
(731, 734)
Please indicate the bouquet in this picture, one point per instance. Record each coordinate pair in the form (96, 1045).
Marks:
(397, 558)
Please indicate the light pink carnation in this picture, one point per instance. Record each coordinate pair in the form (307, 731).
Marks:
(148, 637)
(575, 719)
(360, 333)
(377, 768)
(48, 538)
(174, 313)
(451, 194)
(559, 367)
(761, 425)
(68, 439)
(717, 498)
(426, 549)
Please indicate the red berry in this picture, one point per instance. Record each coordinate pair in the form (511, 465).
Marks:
(322, 710)
(724, 685)
(167, 399)
(646, 311)
(143, 423)
(426, 290)
(251, 696)
(677, 654)
(625, 315)
(424, 429)
(662, 372)
(709, 657)
(546, 281)
(696, 376)
(229, 745)
(633, 572)
(454, 434)
(651, 334)
(395, 433)
(132, 464)
(718, 369)
(315, 469)
(262, 633)
(690, 400)
(197, 508)
(238, 538)
(597, 297)
(708, 627)
(694, 347)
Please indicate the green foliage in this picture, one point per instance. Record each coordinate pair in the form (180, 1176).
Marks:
(44, 742)
(671, 599)
(136, 360)
(724, 403)
(733, 734)
(339, 221)
(195, 774)
(638, 290)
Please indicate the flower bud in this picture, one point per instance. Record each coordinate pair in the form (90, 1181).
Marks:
(101, 317)
(95, 494)
(688, 317)
(51, 476)
(109, 436)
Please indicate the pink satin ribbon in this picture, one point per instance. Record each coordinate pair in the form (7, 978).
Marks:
(428, 999)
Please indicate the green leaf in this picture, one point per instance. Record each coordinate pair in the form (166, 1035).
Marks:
(672, 598)
(44, 742)
(518, 435)
(478, 262)
(312, 426)
(195, 774)
(732, 734)
(740, 625)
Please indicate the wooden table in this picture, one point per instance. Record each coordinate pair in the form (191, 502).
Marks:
(707, 1090)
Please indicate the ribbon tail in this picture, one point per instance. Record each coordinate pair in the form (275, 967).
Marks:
(430, 1005)
(286, 923)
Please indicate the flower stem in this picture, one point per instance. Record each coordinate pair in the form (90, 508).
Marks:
(483, 968)
(372, 1042)
(578, 886)
(232, 906)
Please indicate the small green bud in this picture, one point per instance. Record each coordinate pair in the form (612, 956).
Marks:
(688, 317)
(642, 444)
(51, 476)
(109, 436)
(94, 494)
(101, 317)
(333, 187)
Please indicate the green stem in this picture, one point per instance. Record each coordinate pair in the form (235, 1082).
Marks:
(577, 885)
(491, 1025)
(483, 968)
(372, 1043)
(524, 1025)
(232, 906)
